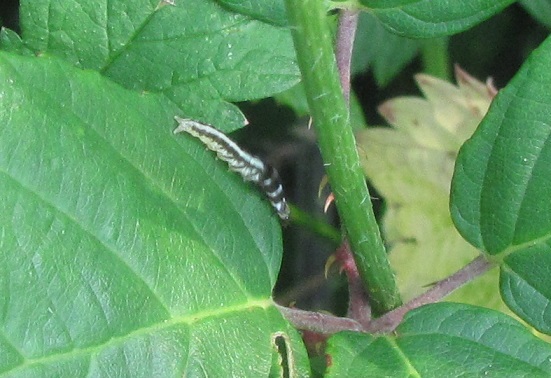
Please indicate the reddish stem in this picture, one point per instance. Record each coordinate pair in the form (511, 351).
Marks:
(346, 33)
(328, 324)
(358, 304)
(389, 321)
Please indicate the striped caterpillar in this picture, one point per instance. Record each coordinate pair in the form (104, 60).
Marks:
(250, 167)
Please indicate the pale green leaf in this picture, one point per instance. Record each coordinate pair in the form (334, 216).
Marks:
(411, 166)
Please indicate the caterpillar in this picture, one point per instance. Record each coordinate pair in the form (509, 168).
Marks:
(250, 167)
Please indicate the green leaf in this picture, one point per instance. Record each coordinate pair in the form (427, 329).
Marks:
(10, 41)
(195, 52)
(433, 18)
(382, 4)
(125, 250)
(385, 52)
(272, 11)
(443, 340)
(539, 9)
(502, 185)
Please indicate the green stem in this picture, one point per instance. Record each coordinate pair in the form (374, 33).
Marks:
(313, 44)
(435, 57)
(315, 225)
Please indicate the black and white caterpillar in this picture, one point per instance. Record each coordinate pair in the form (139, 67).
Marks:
(250, 167)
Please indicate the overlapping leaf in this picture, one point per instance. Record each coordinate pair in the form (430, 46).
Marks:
(443, 340)
(502, 185)
(125, 250)
(411, 18)
(196, 52)
(384, 52)
(433, 18)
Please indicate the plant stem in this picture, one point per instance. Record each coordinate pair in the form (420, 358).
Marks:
(315, 225)
(435, 57)
(359, 308)
(313, 44)
(348, 22)
(441, 289)
(328, 324)
(318, 322)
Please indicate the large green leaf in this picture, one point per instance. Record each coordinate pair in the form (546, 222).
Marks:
(125, 250)
(197, 53)
(443, 340)
(502, 186)
(433, 18)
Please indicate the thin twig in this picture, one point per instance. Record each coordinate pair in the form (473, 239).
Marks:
(346, 33)
(318, 322)
(328, 324)
(389, 321)
(358, 303)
